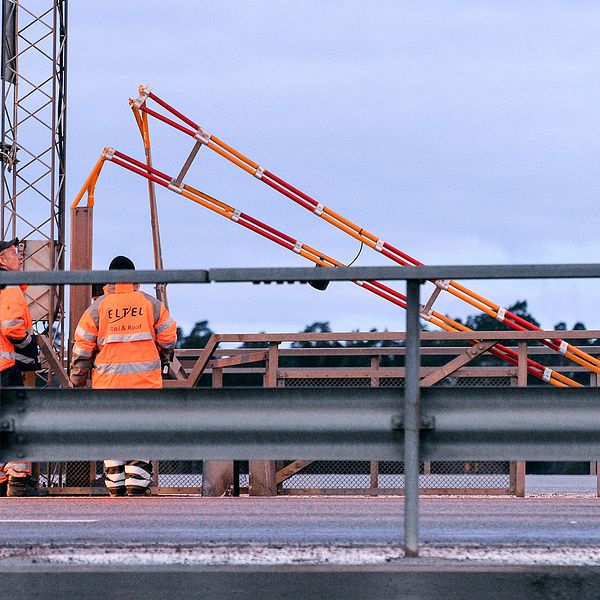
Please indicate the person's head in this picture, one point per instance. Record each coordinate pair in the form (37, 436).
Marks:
(121, 263)
(10, 258)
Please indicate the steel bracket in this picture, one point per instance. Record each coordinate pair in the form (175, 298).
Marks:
(7, 425)
(427, 422)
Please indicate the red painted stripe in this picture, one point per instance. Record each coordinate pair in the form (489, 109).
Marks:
(395, 258)
(405, 256)
(379, 293)
(168, 121)
(290, 187)
(266, 235)
(285, 192)
(142, 165)
(268, 228)
(387, 289)
(173, 111)
(145, 174)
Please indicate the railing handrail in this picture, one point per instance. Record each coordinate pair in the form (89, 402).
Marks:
(401, 336)
(304, 274)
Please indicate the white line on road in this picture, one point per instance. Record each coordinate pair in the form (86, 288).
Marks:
(48, 520)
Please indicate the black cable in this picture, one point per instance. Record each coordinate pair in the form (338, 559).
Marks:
(359, 251)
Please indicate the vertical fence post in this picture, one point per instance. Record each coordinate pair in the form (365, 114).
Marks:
(412, 419)
(262, 474)
(217, 475)
(520, 470)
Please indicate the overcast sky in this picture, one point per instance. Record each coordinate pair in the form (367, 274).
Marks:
(461, 132)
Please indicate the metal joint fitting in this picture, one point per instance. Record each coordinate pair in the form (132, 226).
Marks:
(144, 93)
(202, 135)
(174, 187)
(8, 425)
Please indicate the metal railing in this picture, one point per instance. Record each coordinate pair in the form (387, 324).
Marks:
(433, 423)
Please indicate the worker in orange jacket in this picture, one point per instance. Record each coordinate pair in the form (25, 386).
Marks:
(18, 352)
(123, 339)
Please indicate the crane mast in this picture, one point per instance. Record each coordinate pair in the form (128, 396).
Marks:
(33, 147)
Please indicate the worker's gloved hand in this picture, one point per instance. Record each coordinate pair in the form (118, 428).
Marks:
(27, 353)
(165, 363)
(77, 381)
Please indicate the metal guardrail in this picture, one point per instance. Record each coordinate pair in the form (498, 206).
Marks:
(515, 424)
(304, 274)
(311, 424)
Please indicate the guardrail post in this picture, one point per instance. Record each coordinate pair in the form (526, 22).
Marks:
(412, 419)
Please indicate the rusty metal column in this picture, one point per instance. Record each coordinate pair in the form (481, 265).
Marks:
(263, 473)
(412, 420)
(77, 473)
(81, 260)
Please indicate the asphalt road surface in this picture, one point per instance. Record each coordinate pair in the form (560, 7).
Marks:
(298, 547)
(34, 526)
(546, 545)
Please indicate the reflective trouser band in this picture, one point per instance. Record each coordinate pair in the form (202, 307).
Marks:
(7, 355)
(114, 473)
(138, 473)
(126, 368)
(133, 473)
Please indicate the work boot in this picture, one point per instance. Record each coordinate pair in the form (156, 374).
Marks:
(19, 487)
(116, 492)
(3, 487)
(137, 490)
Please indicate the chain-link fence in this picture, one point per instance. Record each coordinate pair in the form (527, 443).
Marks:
(344, 477)
(388, 476)
(381, 477)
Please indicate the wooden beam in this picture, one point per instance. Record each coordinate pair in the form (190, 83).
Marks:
(54, 361)
(202, 361)
(240, 359)
(291, 470)
(456, 363)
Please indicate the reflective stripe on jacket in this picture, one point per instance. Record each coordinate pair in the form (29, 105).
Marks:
(120, 338)
(15, 324)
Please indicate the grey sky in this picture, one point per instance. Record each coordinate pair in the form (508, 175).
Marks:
(461, 132)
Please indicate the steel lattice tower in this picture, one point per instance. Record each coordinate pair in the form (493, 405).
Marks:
(33, 150)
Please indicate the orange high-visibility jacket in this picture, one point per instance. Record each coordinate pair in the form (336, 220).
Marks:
(121, 338)
(15, 325)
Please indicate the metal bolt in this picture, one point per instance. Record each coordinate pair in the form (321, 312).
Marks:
(20, 439)
(21, 454)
